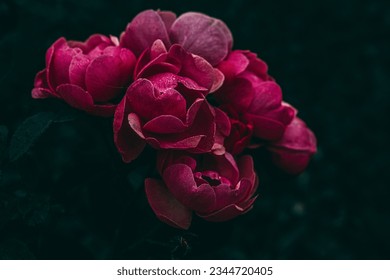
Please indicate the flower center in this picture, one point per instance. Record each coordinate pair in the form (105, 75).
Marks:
(211, 177)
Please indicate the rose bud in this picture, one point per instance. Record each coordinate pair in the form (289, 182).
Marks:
(250, 91)
(293, 151)
(197, 33)
(215, 187)
(166, 106)
(87, 75)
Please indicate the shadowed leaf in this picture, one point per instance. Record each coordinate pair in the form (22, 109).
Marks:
(28, 132)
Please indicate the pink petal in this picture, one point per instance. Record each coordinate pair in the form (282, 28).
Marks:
(265, 128)
(293, 151)
(129, 144)
(202, 35)
(58, 69)
(41, 88)
(238, 94)
(268, 96)
(298, 137)
(107, 76)
(135, 124)
(168, 18)
(144, 29)
(91, 43)
(193, 67)
(143, 92)
(77, 69)
(165, 206)
(39, 93)
(258, 66)
(224, 165)
(190, 143)
(245, 165)
(76, 97)
(219, 78)
(180, 181)
(225, 214)
(234, 64)
(165, 124)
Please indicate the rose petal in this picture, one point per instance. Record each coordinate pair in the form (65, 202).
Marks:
(189, 143)
(225, 214)
(224, 165)
(234, 64)
(268, 96)
(107, 76)
(168, 18)
(75, 96)
(265, 128)
(41, 88)
(77, 69)
(202, 35)
(165, 124)
(165, 206)
(128, 143)
(143, 92)
(293, 151)
(92, 42)
(180, 181)
(58, 69)
(144, 29)
(238, 94)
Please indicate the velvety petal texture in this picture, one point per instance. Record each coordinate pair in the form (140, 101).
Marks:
(197, 33)
(215, 187)
(293, 151)
(87, 75)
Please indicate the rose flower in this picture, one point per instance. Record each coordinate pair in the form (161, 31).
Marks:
(87, 75)
(252, 97)
(166, 106)
(215, 187)
(293, 151)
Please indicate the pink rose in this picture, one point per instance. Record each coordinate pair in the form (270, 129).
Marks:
(293, 151)
(215, 187)
(250, 91)
(87, 75)
(197, 33)
(166, 106)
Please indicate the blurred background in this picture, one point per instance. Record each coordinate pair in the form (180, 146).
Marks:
(69, 196)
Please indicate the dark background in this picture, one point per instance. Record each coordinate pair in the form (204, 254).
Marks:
(70, 196)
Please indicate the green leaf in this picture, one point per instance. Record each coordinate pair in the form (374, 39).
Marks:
(28, 132)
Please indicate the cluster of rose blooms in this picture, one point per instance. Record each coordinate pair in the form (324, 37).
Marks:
(175, 83)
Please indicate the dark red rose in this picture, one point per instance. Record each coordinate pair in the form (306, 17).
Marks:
(293, 151)
(166, 106)
(87, 75)
(250, 91)
(215, 187)
(197, 33)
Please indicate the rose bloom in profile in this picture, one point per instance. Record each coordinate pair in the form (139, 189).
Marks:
(87, 75)
(215, 187)
(166, 105)
(252, 97)
(294, 150)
